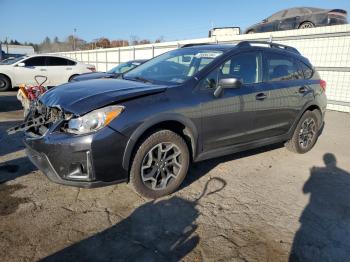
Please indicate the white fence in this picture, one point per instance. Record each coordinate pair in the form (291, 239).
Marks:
(328, 49)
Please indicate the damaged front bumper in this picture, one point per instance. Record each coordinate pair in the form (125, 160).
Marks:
(84, 161)
(89, 160)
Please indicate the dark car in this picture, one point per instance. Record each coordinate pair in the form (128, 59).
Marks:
(113, 73)
(300, 17)
(186, 105)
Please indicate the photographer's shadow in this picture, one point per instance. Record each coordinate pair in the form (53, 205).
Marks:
(156, 231)
(324, 234)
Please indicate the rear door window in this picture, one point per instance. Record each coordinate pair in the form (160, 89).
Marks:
(293, 12)
(58, 61)
(281, 67)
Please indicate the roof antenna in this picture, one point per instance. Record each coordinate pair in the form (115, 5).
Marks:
(270, 39)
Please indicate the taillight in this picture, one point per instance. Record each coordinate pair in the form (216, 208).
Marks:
(323, 85)
(92, 69)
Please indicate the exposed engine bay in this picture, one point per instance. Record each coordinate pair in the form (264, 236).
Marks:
(39, 119)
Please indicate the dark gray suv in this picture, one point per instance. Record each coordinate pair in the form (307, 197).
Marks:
(187, 105)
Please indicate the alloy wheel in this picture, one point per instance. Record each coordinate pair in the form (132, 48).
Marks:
(307, 132)
(306, 25)
(161, 165)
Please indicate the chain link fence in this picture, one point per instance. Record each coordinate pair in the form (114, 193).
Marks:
(328, 49)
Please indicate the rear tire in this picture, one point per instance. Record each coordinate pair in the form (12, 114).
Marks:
(306, 25)
(160, 164)
(306, 133)
(71, 78)
(250, 32)
(5, 83)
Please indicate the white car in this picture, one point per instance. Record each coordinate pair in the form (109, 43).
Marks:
(57, 69)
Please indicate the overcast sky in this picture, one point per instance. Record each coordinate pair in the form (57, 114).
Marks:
(32, 20)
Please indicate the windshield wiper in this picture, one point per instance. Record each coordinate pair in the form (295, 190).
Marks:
(139, 78)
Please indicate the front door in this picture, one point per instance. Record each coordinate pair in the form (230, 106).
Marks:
(33, 66)
(228, 119)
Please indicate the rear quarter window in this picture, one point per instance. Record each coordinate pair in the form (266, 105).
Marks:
(70, 62)
(308, 72)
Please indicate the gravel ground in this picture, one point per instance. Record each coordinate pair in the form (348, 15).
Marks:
(262, 205)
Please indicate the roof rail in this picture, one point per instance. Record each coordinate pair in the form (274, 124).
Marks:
(189, 45)
(268, 44)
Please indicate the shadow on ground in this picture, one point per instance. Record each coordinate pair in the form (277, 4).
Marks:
(13, 169)
(10, 143)
(197, 170)
(162, 230)
(324, 234)
(155, 231)
(10, 103)
(8, 202)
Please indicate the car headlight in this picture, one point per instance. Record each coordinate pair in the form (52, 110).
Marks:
(94, 120)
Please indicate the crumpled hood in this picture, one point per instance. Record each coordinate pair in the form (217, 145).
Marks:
(82, 97)
(95, 75)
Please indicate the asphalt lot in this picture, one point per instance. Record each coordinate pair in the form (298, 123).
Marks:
(254, 206)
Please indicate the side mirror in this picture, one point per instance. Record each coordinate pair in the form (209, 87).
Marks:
(226, 83)
(186, 59)
(21, 64)
(116, 75)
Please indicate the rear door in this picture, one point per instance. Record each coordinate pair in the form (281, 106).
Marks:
(227, 120)
(291, 19)
(282, 96)
(59, 70)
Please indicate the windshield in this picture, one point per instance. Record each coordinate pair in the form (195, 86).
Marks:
(11, 60)
(123, 67)
(175, 66)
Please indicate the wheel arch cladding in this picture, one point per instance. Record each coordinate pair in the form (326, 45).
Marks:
(313, 108)
(309, 107)
(184, 128)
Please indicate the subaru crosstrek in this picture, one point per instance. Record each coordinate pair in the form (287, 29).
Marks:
(186, 105)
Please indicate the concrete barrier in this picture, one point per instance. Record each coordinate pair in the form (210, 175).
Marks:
(328, 49)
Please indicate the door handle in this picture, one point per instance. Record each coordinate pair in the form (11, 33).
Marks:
(69, 68)
(302, 90)
(42, 69)
(260, 96)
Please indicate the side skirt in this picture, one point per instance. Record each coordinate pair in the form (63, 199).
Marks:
(241, 147)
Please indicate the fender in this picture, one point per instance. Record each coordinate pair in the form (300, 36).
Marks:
(190, 130)
(302, 111)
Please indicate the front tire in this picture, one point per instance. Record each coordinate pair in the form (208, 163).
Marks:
(306, 25)
(5, 83)
(160, 164)
(306, 133)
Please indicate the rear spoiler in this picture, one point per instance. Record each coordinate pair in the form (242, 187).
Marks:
(338, 12)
